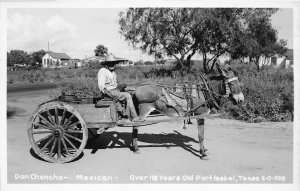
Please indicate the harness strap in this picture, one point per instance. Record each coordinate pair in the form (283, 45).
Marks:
(232, 79)
(169, 99)
(227, 90)
(209, 94)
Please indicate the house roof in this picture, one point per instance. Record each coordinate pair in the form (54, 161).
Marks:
(289, 54)
(59, 55)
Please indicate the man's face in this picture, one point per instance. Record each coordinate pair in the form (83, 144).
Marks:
(111, 66)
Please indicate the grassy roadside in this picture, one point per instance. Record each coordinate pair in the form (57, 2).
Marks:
(269, 93)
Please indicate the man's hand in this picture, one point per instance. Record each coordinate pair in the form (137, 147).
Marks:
(122, 87)
(107, 93)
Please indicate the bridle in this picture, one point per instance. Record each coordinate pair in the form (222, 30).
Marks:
(227, 83)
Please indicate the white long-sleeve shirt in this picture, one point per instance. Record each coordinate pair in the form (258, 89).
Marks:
(106, 79)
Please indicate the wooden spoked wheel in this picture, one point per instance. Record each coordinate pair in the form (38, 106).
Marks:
(57, 132)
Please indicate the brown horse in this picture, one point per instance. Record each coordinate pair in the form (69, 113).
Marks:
(195, 100)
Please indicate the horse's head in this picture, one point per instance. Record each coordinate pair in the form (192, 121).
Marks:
(231, 83)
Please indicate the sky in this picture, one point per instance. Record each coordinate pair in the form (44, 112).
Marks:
(78, 31)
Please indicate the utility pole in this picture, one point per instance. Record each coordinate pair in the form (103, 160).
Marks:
(48, 60)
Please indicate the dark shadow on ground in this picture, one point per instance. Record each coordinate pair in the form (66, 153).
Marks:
(39, 158)
(13, 111)
(117, 140)
(114, 139)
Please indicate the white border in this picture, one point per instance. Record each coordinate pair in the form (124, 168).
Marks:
(144, 3)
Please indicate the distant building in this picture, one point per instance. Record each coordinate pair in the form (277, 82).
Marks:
(56, 60)
(285, 60)
(289, 59)
(75, 63)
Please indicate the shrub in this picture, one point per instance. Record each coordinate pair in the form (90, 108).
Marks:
(69, 73)
(11, 81)
(86, 86)
(268, 95)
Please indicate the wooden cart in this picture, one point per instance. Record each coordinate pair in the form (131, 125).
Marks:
(58, 129)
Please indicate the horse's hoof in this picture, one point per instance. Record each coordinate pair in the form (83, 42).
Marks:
(202, 153)
(136, 151)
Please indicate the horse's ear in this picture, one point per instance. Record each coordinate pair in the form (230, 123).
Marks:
(228, 68)
(221, 69)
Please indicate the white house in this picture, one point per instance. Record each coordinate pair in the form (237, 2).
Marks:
(285, 60)
(55, 60)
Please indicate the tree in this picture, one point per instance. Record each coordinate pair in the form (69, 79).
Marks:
(259, 41)
(226, 31)
(220, 28)
(148, 63)
(163, 31)
(183, 32)
(37, 56)
(100, 50)
(19, 57)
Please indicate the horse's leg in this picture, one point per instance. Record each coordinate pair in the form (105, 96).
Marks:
(200, 125)
(134, 140)
(145, 109)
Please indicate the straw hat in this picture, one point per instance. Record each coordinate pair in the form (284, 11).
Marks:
(111, 59)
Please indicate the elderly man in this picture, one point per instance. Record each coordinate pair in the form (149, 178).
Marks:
(107, 83)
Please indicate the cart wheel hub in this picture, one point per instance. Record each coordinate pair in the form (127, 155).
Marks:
(57, 133)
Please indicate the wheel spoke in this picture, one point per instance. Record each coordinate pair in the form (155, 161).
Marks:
(72, 137)
(53, 146)
(68, 140)
(62, 117)
(49, 116)
(70, 126)
(45, 146)
(66, 123)
(65, 146)
(56, 115)
(44, 119)
(59, 148)
(43, 126)
(42, 139)
(73, 131)
(41, 132)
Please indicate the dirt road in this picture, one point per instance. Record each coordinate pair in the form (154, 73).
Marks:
(238, 152)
